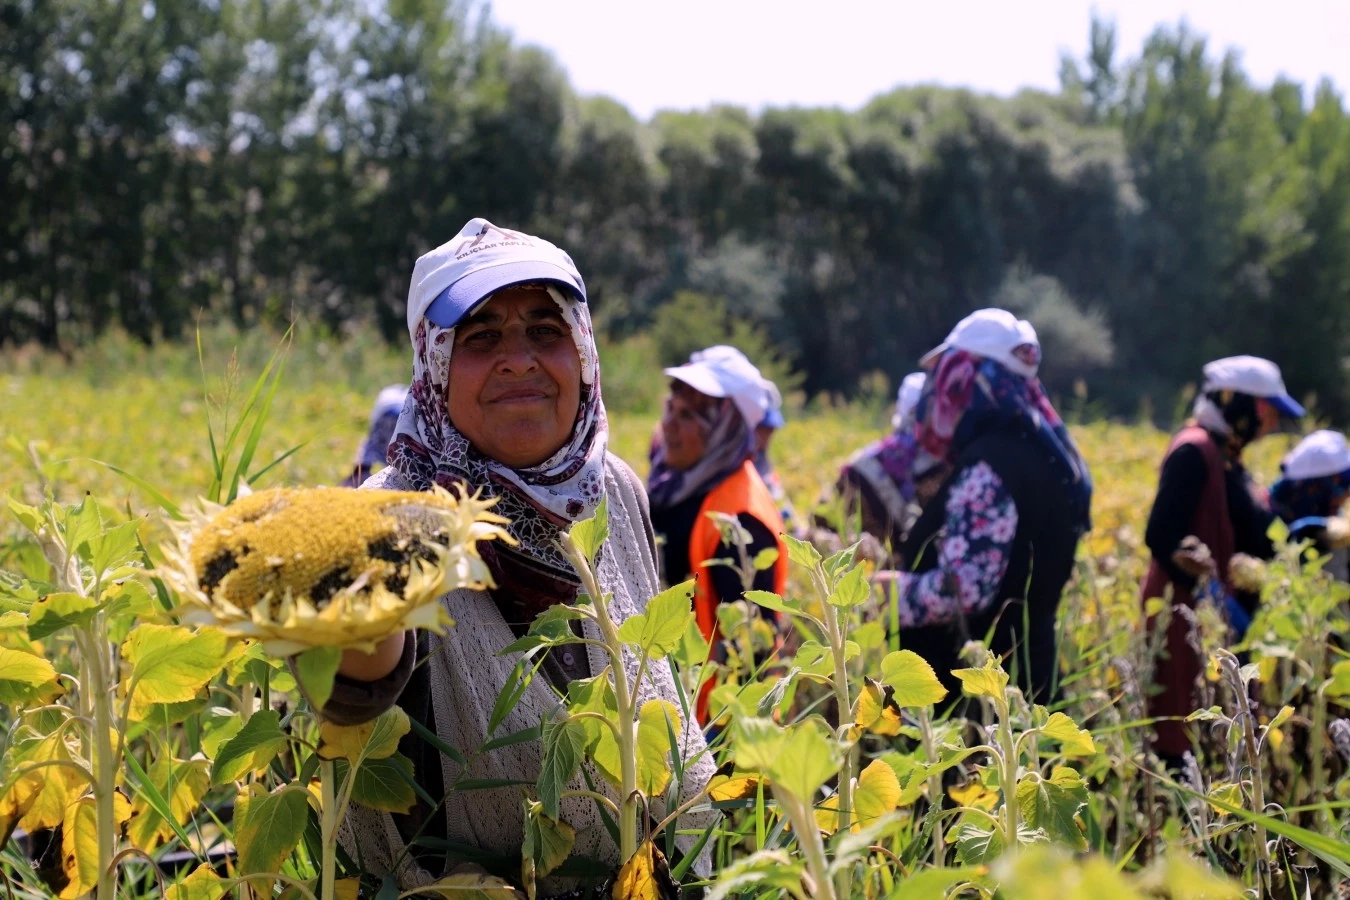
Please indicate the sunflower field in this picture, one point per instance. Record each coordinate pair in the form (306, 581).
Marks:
(160, 733)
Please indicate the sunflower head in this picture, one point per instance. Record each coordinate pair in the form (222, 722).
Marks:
(301, 568)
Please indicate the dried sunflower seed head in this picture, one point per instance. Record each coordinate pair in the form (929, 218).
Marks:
(302, 568)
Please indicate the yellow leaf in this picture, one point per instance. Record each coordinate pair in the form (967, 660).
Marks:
(79, 843)
(876, 794)
(973, 794)
(876, 714)
(1074, 740)
(653, 745)
(59, 784)
(989, 681)
(1276, 738)
(1225, 793)
(733, 787)
(182, 783)
(470, 886)
(202, 884)
(376, 739)
(170, 664)
(23, 676)
(347, 889)
(643, 877)
(16, 803)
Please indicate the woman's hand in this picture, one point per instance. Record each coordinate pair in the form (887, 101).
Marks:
(1193, 558)
(361, 666)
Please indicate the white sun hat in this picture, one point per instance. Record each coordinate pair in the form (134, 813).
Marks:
(907, 397)
(1318, 455)
(1254, 376)
(723, 371)
(994, 334)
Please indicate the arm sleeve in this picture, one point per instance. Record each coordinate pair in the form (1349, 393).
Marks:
(1179, 489)
(973, 553)
(355, 702)
(727, 579)
(1251, 517)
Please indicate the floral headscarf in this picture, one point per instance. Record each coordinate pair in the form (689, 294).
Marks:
(966, 395)
(427, 449)
(1296, 498)
(728, 443)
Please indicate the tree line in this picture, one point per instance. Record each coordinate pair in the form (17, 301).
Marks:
(268, 159)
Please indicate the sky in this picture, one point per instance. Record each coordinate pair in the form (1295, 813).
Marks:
(691, 53)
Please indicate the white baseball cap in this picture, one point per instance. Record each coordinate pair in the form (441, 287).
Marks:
(389, 402)
(907, 398)
(451, 281)
(1318, 455)
(994, 334)
(723, 371)
(1254, 376)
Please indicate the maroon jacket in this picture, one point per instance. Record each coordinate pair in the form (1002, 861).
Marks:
(1177, 672)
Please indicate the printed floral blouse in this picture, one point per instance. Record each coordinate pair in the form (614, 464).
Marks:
(973, 553)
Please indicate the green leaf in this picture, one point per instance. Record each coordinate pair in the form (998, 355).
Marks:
(976, 846)
(151, 491)
(376, 739)
(218, 726)
(316, 670)
(23, 676)
(114, 546)
(803, 553)
(912, 679)
(770, 600)
(765, 559)
(516, 683)
(55, 612)
(251, 750)
(171, 663)
(989, 681)
(692, 648)
(658, 630)
(590, 534)
(547, 841)
(564, 743)
(597, 695)
(1052, 805)
(384, 784)
(808, 759)
(1338, 685)
(851, 590)
(934, 884)
(758, 875)
(1074, 740)
(267, 828)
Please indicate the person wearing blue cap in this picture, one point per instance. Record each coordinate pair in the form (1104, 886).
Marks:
(1207, 510)
(383, 420)
(505, 401)
(1313, 486)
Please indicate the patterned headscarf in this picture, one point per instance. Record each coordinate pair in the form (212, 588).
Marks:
(728, 442)
(1231, 417)
(966, 395)
(538, 500)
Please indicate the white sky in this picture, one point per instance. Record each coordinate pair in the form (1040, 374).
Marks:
(690, 53)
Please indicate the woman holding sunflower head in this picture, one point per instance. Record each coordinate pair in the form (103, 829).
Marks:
(505, 400)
